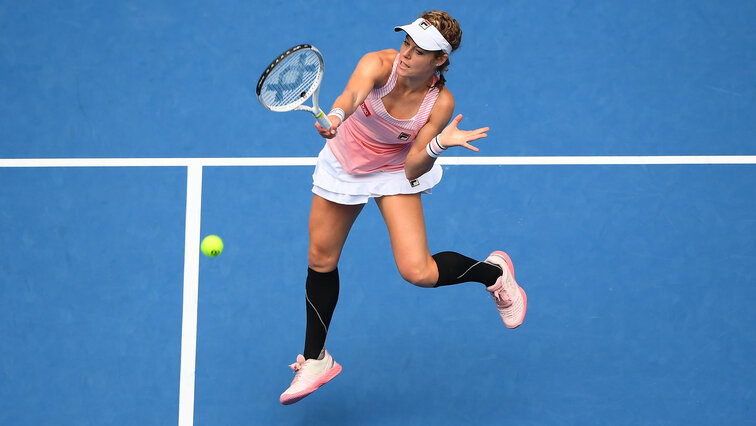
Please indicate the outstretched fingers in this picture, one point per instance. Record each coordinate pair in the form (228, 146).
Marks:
(476, 134)
(454, 136)
(456, 121)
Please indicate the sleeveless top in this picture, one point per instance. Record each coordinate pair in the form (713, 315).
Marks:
(371, 140)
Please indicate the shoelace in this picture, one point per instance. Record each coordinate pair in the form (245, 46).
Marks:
(502, 298)
(298, 366)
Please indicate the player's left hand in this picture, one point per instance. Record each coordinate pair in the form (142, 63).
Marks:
(453, 136)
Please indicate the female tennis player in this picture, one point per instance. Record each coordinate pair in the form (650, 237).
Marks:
(387, 129)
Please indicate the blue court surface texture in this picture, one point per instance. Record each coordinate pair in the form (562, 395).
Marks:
(620, 177)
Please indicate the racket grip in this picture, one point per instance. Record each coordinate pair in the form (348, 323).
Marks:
(323, 120)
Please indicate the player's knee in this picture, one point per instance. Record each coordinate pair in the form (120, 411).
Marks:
(417, 275)
(321, 260)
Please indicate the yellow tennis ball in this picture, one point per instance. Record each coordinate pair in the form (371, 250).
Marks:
(212, 245)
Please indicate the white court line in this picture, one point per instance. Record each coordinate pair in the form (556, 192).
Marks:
(310, 161)
(194, 208)
(156, 162)
(191, 294)
(599, 160)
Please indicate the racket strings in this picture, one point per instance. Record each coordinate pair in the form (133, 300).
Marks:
(292, 80)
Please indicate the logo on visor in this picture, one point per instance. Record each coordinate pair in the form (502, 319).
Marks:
(425, 24)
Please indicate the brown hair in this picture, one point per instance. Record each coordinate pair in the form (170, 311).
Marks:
(449, 28)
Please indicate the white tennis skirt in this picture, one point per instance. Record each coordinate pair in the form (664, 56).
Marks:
(331, 182)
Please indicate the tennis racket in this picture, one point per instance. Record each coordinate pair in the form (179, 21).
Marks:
(291, 79)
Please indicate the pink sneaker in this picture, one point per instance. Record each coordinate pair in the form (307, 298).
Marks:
(510, 298)
(311, 374)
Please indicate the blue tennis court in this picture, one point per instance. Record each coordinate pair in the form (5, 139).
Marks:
(619, 174)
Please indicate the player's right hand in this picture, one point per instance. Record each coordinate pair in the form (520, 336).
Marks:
(329, 134)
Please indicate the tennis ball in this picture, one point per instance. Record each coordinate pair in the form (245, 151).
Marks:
(212, 245)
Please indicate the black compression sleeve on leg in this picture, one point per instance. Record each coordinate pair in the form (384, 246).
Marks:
(321, 294)
(454, 268)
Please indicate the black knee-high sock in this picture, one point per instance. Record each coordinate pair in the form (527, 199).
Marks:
(454, 268)
(322, 293)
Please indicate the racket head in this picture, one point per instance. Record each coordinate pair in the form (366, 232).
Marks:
(291, 78)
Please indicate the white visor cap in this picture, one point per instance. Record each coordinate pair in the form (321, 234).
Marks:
(426, 36)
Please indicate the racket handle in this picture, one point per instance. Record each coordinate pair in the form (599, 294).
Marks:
(323, 120)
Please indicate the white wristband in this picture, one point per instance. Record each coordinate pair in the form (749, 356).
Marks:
(434, 148)
(430, 152)
(338, 112)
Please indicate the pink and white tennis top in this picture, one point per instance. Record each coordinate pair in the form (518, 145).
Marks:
(371, 140)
